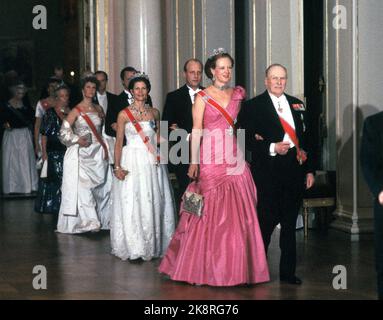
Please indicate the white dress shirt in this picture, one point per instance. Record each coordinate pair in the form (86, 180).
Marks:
(192, 93)
(130, 99)
(282, 108)
(103, 101)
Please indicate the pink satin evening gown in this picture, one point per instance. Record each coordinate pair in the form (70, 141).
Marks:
(224, 247)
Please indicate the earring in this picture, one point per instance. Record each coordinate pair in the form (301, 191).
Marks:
(213, 79)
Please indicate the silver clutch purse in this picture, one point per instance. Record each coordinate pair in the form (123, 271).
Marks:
(192, 202)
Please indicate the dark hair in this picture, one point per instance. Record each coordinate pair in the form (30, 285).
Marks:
(58, 66)
(139, 79)
(53, 80)
(192, 60)
(91, 79)
(211, 63)
(272, 66)
(101, 72)
(126, 69)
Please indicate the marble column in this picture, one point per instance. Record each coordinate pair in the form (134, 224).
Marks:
(275, 36)
(129, 33)
(198, 27)
(143, 36)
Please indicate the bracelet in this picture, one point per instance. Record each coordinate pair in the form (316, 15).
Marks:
(116, 168)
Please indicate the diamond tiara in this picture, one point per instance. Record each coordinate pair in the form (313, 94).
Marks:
(217, 52)
(140, 75)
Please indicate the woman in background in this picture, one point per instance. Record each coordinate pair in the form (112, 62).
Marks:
(19, 163)
(49, 195)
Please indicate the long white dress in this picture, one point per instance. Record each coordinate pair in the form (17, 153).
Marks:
(85, 195)
(143, 214)
(18, 156)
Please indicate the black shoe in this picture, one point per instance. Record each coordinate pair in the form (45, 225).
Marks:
(291, 280)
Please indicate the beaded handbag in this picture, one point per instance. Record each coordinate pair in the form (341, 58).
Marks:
(192, 202)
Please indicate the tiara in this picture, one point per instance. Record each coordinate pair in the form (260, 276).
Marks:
(140, 75)
(217, 52)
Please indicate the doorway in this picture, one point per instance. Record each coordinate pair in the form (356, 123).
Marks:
(314, 82)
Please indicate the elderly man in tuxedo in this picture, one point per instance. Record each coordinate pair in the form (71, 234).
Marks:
(282, 162)
(371, 157)
(178, 112)
(123, 100)
(106, 100)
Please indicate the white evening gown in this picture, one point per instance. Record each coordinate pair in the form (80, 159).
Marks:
(19, 164)
(143, 214)
(85, 187)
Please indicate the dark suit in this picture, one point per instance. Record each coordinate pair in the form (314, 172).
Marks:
(178, 109)
(112, 100)
(121, 102)
(279, 179)
(371, 157)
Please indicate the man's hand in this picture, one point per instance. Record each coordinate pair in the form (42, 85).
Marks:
(310, 180)
(380, 198)
(282, 147)
(114, 126)
(258, 137)
(174, 126)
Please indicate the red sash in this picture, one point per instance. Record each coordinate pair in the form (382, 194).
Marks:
(145, 139)
(224, 113)
(94, 130)
(45, 104)
(301, 155)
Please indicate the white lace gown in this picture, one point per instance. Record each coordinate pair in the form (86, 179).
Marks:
(143, 214)
(85, 202)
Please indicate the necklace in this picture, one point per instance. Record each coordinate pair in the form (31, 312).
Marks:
(88, 108)
(224, 87)
(142, 113)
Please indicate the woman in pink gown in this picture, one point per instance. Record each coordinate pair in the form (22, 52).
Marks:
(224, 246)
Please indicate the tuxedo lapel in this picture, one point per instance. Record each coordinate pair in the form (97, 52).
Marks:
(187, 99)
(126, 97)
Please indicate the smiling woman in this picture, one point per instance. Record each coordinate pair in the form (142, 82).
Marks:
(85, 191)
(143, 218)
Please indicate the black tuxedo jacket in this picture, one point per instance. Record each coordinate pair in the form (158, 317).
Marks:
(178, 108)
(121, 102)
(371, 154)
(258, 116)
(112, 100)
(110, 97)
